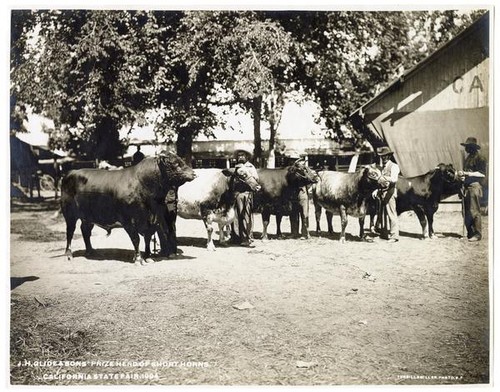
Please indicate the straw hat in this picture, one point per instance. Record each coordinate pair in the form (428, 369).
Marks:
(247, 153)
(381, 151)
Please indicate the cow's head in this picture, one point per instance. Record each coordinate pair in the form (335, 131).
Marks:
(300, 174)
(446, 172)
(370, 178)
(174, 170)
(449, 177)
(242, 174)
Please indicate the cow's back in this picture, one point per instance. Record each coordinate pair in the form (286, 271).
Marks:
(336, 189)
(99, 196)
(335, 186)
(275, 191)
(206, 189)
(273, 182)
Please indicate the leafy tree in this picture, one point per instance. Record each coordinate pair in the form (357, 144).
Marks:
(92, 72)
(245, 56)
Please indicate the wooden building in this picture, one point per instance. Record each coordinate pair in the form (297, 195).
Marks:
(433, 107)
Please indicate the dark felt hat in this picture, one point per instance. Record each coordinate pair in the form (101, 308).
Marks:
(471, 141)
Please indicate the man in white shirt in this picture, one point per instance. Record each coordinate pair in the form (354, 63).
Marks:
(390, 172)
(244, 202)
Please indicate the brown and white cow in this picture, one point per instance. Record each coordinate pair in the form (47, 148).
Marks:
(345, 194)
(211, 198)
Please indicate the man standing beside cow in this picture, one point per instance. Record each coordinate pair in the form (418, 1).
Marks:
(388, 193)
(244, 202)
(472, 192)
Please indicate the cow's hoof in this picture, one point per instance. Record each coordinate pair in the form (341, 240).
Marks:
(280, 237)
(69, 255)
(223, 244)
(211, 248)
(342, 240)
(148, 260)
(366, 239)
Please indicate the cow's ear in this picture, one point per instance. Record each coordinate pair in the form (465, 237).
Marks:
(228, 172)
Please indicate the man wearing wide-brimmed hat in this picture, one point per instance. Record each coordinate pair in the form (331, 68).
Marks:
(474, 171)
(244, 202)
(388, 180)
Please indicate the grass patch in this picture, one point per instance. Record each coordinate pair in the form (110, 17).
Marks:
(33, 338)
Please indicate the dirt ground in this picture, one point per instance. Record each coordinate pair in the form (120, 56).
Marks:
(318, 312)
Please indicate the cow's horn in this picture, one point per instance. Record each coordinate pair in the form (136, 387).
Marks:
(300, 159)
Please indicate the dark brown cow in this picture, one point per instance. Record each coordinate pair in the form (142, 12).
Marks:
(284, 193)
(133, 198)
(346, 194)
(422, 194)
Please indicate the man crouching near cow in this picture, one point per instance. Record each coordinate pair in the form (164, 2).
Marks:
(244, 202)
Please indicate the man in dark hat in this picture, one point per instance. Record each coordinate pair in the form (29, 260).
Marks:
(388, 193)
(244, 202)
(472, 175)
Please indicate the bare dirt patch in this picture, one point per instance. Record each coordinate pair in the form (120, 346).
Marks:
(323, 312)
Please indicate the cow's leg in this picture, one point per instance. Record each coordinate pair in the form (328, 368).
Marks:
(423, 222)
(372, 207)
(317, 214)
(279, 234)
(343, 223)
(266, 216)
(134, 237)
(362, 235)
(429, 213)
(329, 220)
(210, 231)
(147, 244)
(222, 235)
(70, 230)
(86, 228)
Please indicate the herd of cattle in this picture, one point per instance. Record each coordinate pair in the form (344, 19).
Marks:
(134, 198)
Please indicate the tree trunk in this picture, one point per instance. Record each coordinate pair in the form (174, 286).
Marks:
(184, 145)
(272, 135)
(256, 111)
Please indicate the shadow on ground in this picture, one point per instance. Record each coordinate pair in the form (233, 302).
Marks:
(16, 282)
